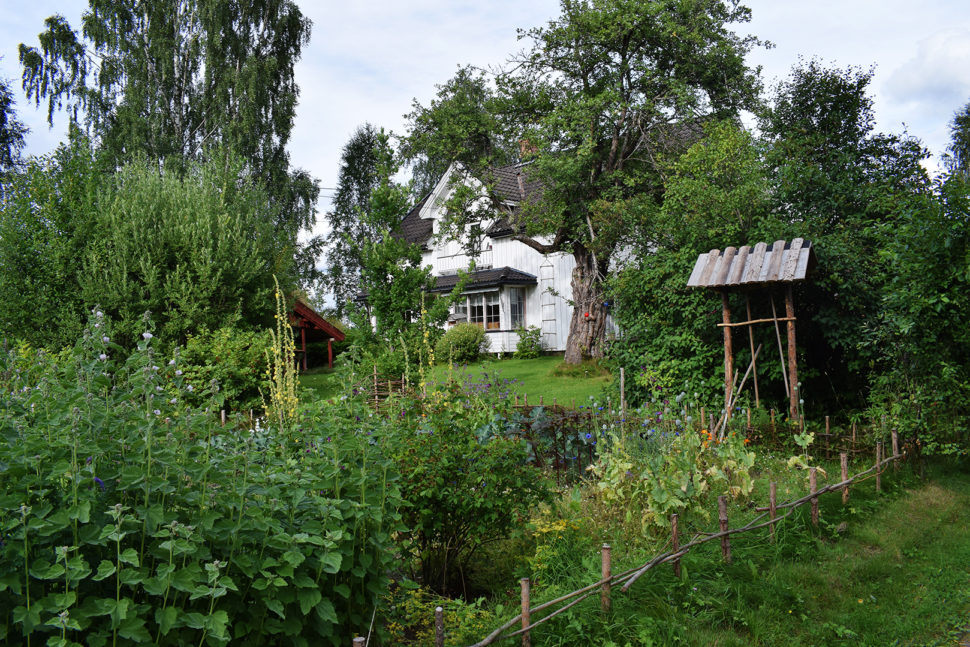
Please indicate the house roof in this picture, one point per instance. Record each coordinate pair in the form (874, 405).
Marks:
(781, 263)
(309, 318)
(486, 279)
(513, 183)
(414, 228)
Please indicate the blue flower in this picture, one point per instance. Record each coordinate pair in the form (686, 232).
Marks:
(99, 482)
(588, 436)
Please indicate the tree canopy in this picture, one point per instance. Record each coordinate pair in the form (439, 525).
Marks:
(168, 79)
(605, 91)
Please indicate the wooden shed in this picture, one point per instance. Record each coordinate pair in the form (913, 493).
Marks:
(312, 327)
(760, 270)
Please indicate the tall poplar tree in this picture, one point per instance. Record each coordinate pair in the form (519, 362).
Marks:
(169, 78)
(349, 220)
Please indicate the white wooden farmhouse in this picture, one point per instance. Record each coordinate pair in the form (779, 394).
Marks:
(513, 285)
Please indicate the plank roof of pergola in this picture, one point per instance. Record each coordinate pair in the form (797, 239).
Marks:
(756, 266)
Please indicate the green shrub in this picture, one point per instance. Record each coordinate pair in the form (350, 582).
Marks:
(129, 516)
(464, 342)
(469, 480)
(529, 345)
(234, 358)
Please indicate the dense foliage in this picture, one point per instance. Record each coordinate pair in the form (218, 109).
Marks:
(195, 247)
(600, 95)
(129, 515)
(231, 359)
(166, 79)
(463, 342)
(529, 345)
(469, 479)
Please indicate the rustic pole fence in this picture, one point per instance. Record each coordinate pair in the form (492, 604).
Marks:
(630, 576)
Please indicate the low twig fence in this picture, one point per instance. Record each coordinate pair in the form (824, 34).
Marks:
(527, 616)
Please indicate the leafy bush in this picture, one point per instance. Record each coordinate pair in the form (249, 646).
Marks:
(234, 358)
(464, 342)
(469, 480)
(669, 472)
(126, 513)
(529, 345)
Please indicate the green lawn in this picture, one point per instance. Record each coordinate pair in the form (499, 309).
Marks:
(531, 376)
(321, 381)
(534, 377)
(901, 577)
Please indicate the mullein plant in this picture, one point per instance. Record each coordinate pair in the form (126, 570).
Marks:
(282, 403)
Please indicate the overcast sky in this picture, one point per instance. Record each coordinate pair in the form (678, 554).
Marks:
(368, 59)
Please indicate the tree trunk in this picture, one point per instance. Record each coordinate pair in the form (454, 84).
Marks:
(587, 326)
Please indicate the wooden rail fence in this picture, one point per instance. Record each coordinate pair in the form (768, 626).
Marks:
(527, 617)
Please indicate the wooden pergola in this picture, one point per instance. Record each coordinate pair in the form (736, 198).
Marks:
(761, 269)
(313, 327)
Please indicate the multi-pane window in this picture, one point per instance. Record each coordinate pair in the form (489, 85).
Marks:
(476, 309)
(481, 309)
(492, 312)
(516, 308)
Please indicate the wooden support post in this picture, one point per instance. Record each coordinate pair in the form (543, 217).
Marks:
(878, 467)
(516, 399)
(607, 573)
(330, 353)
(525, 399)
(555, 402)
(754, 365)
(781, 355)
(703, 417)
(540, 400)
(222, 416)
(844, 461)
(728, 356)
(675, 540)
(792, 355)
(813, 488)
(526, 639)
(439, 627)
(303, 346)
(772, 506)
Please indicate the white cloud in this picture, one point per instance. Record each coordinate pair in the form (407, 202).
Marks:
(939, 73)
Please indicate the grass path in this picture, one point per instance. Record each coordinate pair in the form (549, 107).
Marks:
(901, 577)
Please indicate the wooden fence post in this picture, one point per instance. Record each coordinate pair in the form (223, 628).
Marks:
(222, 416)
(772, 506)
(525, 397)
(723, 518)
(439, 627)
(828, 432)
(895, 450)
(878, 466)
(844, 460)
(813, 488)
(703, 418)
(526, 639)
(675, 540)
(540, 400)
(606, 572)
